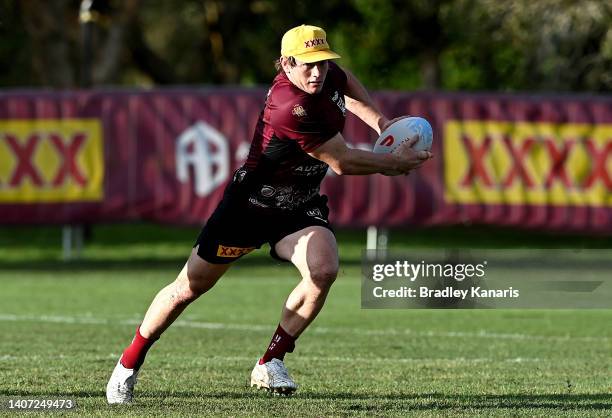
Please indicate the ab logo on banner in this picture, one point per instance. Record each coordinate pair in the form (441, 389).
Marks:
(205, 151)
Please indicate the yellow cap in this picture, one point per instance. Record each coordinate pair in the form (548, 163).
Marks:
(307, 44)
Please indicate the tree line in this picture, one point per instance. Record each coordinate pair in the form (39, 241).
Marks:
(467, 45)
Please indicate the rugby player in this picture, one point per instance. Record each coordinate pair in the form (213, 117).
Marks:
(274, 197)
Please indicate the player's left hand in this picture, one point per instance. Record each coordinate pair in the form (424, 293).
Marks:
(388, 122)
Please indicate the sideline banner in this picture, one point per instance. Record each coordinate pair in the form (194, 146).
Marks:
(166, 156)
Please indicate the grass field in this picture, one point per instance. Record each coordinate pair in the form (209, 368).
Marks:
(63, 326)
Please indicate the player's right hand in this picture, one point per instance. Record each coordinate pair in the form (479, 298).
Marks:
(409, 158)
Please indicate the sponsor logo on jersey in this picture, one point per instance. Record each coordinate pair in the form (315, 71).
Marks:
(298, 111)
(239, 176)
(233, 252)
(311, 170)
(339, 101)
(316, 213)
(267, 191)
(255, 202)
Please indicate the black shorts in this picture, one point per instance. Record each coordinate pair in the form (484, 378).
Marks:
(236, 228)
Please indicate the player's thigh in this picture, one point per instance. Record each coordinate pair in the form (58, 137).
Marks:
(313, 250)
(200, 274)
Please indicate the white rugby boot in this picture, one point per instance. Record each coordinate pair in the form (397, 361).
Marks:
(120, 387)
(274, 377)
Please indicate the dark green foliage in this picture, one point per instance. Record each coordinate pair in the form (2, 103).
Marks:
(547, 45)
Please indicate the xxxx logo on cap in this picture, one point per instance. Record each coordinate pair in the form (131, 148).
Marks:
(307, 44)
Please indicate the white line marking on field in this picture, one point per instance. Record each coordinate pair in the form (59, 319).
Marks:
(316, 330)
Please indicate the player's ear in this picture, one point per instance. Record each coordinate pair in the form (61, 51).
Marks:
(285, 64)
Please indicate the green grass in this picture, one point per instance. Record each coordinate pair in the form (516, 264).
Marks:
(63, 326)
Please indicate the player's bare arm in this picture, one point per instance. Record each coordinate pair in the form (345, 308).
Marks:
(359, 103)
(346, 161)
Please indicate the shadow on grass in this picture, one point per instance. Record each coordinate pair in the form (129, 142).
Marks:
(89, 265)
(458, 236)
(408, 401)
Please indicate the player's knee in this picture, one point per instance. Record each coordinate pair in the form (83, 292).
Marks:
(191, 284)
(198, 284)
(324, 276)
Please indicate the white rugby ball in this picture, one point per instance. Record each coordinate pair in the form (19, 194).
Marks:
(401, 131)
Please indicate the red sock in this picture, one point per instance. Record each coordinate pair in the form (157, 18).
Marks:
(134, 355)
(281, 344)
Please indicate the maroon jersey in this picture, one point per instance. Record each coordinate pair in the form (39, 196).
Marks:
(279, 173)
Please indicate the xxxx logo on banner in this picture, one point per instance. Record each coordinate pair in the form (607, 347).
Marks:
(528, 163)
(51, 160)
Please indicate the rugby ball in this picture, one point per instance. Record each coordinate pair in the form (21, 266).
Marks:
(401, 131)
